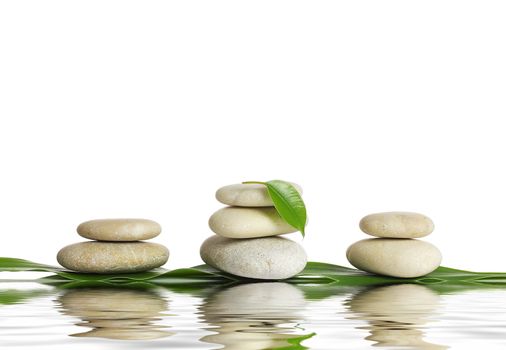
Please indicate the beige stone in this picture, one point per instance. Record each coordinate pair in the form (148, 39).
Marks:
(270, 258)
(405, 258)
(112, 257)
(397, 225)
(238, 222)
(247, 195)
(119, 229)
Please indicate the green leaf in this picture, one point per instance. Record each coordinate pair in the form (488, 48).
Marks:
(288, 202)
(13, 264)
(317, 279)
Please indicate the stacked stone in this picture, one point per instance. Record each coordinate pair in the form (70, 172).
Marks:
(117, 247)
(247, 241)
(396, 253)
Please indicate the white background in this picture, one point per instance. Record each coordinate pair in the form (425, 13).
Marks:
(145, 108)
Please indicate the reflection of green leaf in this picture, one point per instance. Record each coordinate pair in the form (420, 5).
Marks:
(315, 273)
(287, 201)
(324, 291)
(295, 343)
(14, 296)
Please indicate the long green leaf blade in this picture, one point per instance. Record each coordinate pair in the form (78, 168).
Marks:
(288, 203)
(14, 264)
(327, 276)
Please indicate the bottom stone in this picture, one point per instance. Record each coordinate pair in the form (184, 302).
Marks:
(405, 258)
(270, 258)
(112, 257)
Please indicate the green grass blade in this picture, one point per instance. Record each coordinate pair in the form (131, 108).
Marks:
(119, 278)
(14, 264)
(315, 273)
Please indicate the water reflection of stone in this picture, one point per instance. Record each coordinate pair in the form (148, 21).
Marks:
(255, 316)
(396, 314)
(116, 313)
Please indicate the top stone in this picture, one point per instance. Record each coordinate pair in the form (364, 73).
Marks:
(397, 224)
(247, 195)
(119, 230)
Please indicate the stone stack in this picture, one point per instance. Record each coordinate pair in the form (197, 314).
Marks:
(247, 241)
(116, 247)
(397, 252)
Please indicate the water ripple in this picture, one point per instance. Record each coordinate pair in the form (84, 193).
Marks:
(252, 316)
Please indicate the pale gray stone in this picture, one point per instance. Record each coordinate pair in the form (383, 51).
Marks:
(119, 229)
(397, 224)
(239, 222)
(112, 257)
(270, 258)
(247, 195)
(394, 257)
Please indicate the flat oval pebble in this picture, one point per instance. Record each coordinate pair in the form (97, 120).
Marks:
(238, 222)
(119, 229)
(112, 257)
(247, 195)
(394, 257)
(397, 224)
(270, 258)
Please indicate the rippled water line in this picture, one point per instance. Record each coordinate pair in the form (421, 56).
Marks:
(264, 315)
(334, 331)
(254, 316)
(181, 322)
(472, 319)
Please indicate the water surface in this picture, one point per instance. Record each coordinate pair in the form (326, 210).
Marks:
(272, 315)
